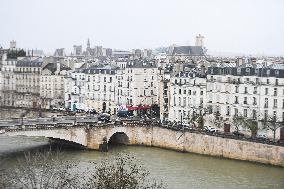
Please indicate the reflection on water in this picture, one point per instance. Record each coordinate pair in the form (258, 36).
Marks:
(178, 170)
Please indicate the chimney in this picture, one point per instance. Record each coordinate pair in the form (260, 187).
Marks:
(202, 70)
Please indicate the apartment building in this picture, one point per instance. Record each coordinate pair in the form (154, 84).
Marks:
(164, 93)
(52, 85)
(100, 88)
(188, 96)
(8, 81)
(28, 73)
(137, 84)
(75, 90)
(253, 91)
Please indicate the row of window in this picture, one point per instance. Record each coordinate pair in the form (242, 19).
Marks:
(29, 69)
(189, 92)
(187, 101)
(244, 80)
(246, 113)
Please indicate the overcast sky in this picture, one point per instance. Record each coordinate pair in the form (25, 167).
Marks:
(247, 26)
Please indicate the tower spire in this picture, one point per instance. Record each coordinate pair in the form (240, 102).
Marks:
(88, 44)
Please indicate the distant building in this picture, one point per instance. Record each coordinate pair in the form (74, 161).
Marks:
(147, 53)
(77, 50)
(120, 54)
(59, 52)
(13, 45)
(137, 53)
(98, 51)
(108, 52)
(199, 40)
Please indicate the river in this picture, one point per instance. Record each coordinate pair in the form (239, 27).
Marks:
(177, 170)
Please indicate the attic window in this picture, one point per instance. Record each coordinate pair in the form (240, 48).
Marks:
(268, 72)
(256, 71)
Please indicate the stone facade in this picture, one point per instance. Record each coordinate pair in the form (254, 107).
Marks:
(28, 72)
(52, 85)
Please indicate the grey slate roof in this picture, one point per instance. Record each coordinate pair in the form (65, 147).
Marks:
(259, 70)
(97, 69)
(53, 67)
(141, 64)
(29, 62)
(188, 50)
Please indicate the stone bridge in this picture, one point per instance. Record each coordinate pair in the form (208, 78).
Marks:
(98, 137)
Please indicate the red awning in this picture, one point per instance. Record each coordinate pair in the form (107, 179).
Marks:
(131, 108)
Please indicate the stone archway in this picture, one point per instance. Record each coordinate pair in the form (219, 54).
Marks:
(119, 138)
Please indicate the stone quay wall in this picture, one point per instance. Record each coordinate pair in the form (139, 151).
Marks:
(98, 136)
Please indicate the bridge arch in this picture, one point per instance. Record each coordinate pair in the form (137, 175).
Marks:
(119, 138)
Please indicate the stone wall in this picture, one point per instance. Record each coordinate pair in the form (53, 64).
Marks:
(95, 137)
(217, 146)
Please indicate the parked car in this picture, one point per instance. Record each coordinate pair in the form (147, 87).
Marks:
(92, 111)
(122, 114)
(210, 129)
(104, 118)
(262, 136)
(79, 111)
(61, 108)
(238, 134)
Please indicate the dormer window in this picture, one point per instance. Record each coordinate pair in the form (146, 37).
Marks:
(239, 71)
(256, 71)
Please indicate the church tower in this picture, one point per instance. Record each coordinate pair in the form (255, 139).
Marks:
(199, 40)
(88, 44)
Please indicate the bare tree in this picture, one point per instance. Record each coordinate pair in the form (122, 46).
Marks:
(2, 174)
(121, 172)
(50, 170)
(252, 125)
(238, 121)
(42, 170)
(271, 123)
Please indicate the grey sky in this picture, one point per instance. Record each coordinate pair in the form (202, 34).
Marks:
(250, 26)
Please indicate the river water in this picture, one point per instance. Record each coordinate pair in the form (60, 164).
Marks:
(177, 170)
